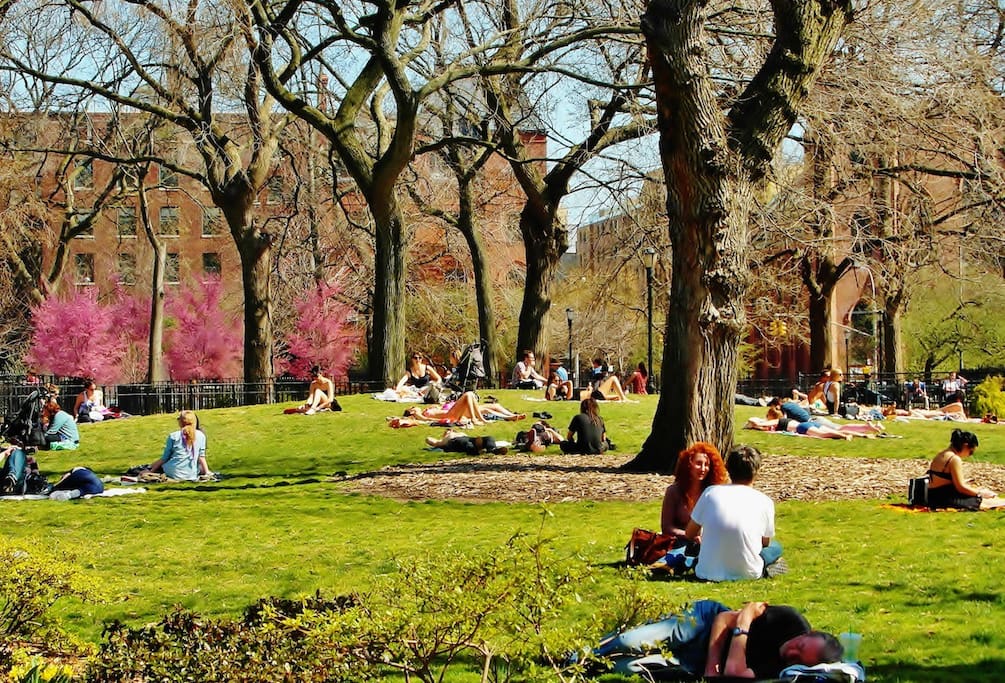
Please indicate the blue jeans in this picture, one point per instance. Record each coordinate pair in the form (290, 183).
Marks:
(16, 462)
(771, 553)
(685, 635)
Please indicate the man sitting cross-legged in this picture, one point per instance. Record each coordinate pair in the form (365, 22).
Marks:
(708, 639)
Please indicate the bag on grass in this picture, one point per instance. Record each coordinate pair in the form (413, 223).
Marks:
(645, 547)
(917, 491)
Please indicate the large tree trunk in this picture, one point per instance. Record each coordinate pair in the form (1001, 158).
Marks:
(893, 336)
(387, 342)
(821, 334)
(155, 342)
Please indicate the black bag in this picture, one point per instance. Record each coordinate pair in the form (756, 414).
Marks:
(917, 491)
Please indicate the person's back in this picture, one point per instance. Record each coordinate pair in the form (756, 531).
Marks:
(180, 461)
(734, 519)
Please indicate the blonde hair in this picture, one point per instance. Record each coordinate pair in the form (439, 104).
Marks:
(187, 420)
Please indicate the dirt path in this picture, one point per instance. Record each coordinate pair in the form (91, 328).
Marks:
(526, 479)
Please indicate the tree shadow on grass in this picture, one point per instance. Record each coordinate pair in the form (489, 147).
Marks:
(488, 467)
(913, 672)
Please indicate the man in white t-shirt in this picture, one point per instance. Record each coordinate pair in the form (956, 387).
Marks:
(735, 523)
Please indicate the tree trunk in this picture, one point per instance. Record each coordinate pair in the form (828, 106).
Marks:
(821, 334)
(155, 342)
(893, 336)
(544, 244)
(387, 343)
(483, 283)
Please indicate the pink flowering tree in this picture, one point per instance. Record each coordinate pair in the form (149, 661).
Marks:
(203, 341)
(322, 335)
(131, 318)
(73, 335)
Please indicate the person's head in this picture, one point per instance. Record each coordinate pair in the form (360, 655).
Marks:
(187, 421)
(836, 375)
(51, 407)
(642, 369)
(963, 442)
(597, 362)
(742, 464)
(411, 411)
(700, 464)
(810, 649)
(528, 357)
(590, 408)
(315, 371)
(88, 383)
(952, 375)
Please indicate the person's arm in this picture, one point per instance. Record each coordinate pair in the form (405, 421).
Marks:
(330, 390)
(736, 659)
(76, 404)
(960, 482)
(693, 531)
(401, 382)
(669, 524)
(433, 374)
(723, 623)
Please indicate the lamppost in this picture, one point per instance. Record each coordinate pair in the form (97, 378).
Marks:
(649, 260)
(569, 316)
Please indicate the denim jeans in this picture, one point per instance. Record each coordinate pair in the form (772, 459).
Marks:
(16, 462)
(685, 635)
(771, 553)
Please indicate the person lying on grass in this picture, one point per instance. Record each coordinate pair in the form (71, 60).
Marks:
(465, 410)
(459, 442)
(815, 428)
(709, 639)
(947, 487)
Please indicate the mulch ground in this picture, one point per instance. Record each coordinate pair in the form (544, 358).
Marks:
(522, 478)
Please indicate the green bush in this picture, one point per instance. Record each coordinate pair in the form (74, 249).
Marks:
(493, 616)
(31, 582)
(988, 397)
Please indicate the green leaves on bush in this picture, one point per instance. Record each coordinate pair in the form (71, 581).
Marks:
(987, 397)
(492, 615)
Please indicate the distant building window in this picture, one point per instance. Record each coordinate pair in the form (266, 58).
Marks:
(83, 269)
(212, 221)
(211, 263)
(83, 175)
(168, 226)
(172, 269)
(126, 221)
(168, 178)
(127, 269)
(275, 190)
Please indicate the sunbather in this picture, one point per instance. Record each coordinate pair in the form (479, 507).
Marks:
(813, 428)
(464, 409)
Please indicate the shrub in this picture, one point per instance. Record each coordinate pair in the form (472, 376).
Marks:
(30, 584)
(987, 397)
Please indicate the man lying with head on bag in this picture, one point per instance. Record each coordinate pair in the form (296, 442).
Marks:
(709, 639)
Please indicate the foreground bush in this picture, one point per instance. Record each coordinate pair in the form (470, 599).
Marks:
(492, 615)
(31, 582)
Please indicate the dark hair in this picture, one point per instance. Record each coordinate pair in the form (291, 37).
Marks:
(742, 463)
(315, 369)
(591, 409)
(598, 361)
(775, 402)
(960, 438)
(642, 369)
(832, 651)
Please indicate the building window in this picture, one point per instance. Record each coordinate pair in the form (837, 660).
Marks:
(172, 269)
(211, 263)
(126, 221)
(168, 178)
(83, 269)
(83, 175)
(127, 269)
(275, 190)
(212, 221)
(168, 221)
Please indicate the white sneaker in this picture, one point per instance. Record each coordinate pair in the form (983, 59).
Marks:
(309, 411)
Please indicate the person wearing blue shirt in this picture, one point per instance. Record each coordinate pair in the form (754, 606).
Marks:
(184, 456)
(61, 433)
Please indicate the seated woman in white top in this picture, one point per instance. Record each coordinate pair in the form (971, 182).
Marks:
(184, 456)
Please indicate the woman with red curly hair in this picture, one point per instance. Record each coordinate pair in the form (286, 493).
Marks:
(698, 467)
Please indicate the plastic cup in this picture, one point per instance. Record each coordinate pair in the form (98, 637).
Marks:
(851, 642)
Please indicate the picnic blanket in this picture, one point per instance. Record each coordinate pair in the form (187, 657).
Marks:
(394, 397)
(107, 493)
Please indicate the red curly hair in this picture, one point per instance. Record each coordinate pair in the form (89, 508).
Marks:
(682, 473)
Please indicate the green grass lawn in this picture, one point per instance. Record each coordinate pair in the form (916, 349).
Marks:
(924, 589)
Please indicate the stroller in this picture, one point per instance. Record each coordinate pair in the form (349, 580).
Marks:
(24, 427)
(470, 368)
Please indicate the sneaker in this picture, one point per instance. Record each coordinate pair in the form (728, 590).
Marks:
(8, 485)
(778, 568)
(309, 411)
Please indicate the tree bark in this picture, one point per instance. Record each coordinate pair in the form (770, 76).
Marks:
(544, 243)
(713, 165)
(893, 335)
(479, 267)
(155, 341)
(387, 342)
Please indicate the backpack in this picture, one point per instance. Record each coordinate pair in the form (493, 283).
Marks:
(645, 547)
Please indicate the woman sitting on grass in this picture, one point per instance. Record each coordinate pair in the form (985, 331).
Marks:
(947, 487)
(698, 467)
(587, 433)
(184, 456)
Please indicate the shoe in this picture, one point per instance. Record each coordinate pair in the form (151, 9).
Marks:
(309, 411)
(776, 569)
(501, 450)
(8, 485)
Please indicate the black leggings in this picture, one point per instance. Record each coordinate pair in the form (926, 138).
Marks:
(949, 497)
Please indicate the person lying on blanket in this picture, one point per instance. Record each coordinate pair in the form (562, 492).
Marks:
(465, 409)
(815, 428)
(709, 639)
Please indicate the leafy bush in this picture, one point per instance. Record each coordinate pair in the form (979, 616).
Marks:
(988, 397)
(30, 584)
(493, 614)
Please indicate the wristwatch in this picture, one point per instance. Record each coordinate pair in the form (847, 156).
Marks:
(740, 632)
